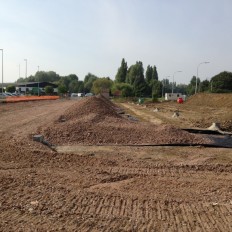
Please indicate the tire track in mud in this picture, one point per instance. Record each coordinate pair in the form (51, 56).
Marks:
(93, 211)
(146, 214)
(165, 215)
(127, 212)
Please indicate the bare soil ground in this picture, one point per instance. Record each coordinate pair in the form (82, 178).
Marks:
(116, 187)
(199, 111)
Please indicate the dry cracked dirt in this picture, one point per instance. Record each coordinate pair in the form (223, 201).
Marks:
(103, 175)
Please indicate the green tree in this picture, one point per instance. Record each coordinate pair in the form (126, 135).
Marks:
(81, 87)
(135, 77)
(148, 75)
(76, 86)
(41, 76)
(31, 78)
(36, 91)
(151, 78)
(135, 71)
(52, 76)
(20, 80)
(73, 86)
(222, 82)
(122, 71)
(101, 84)
(154, 74)
(88, 82)
(49, 90)
(10, 88)
(156, 89)
(167, 87)
(89, 76)
(127, 91)
(65, 81)
(73, 77)
(122, 89)
(181, 88)
(139, 86)
(204, 86)
(192, 85)
(62, 89)
(70, 82)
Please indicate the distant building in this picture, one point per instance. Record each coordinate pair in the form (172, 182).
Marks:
(28, 86)
(174, 96)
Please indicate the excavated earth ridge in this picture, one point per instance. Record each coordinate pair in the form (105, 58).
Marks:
(95, 120)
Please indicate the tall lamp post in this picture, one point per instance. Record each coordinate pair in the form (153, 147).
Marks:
(26, 68)
(206, 62)
(163, 85)
(173, 79)
(38, 81)
(26, 76)
(2, 69)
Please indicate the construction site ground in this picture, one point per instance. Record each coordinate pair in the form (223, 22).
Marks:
(94, 180)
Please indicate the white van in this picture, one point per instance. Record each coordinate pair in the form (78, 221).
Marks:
(80, 95)
(77, 95)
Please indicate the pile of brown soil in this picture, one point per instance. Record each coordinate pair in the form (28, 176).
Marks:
(95, 121)
(211, 100)
(219, 103)
(92, 108)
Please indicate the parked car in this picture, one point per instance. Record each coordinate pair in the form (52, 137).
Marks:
(2, 95)
(77, 95)
(5, 94)
(74, 95)
(8, 94)
(88, 94)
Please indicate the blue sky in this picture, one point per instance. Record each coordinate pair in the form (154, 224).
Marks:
(81, 36)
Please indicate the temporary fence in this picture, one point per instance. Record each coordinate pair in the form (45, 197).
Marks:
(29, 98)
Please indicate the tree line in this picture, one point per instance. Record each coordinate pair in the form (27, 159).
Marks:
(132, 81)
(66, 84)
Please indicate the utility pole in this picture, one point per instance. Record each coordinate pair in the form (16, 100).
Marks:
(25, 76)
(2, 69)
(38, 81)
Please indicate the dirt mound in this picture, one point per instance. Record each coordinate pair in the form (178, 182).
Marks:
(211, 100)
(96, 108)
(95, 121)
(213, 108)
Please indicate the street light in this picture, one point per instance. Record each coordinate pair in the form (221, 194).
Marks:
(173, 79)
(38, 81)
(163, 85)
(2, 69)
(26, 68)
(206, 62)
(26, 76)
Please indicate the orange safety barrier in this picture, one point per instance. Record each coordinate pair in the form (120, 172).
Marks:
(29, 98)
